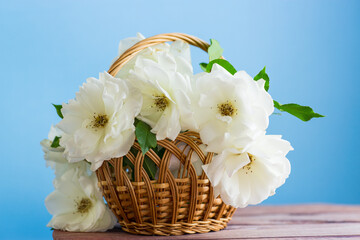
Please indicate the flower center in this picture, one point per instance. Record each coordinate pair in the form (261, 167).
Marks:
(227, 109)
(247, 167)
(161, 102)
(100, 121)
(84, 205)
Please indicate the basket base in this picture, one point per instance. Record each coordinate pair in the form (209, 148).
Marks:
(180, 228)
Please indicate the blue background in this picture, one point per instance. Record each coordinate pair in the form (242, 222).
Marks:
(311, 50)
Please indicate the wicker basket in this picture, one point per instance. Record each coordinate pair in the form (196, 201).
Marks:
(168, 205)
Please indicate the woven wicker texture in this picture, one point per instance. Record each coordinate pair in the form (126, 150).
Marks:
(169, 205)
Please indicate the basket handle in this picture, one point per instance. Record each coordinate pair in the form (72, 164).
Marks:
(154, 40)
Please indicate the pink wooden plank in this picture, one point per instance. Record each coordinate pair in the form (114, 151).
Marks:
(265, 222)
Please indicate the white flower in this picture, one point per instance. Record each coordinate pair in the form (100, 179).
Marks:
(55, 159)
(230, 107)
(98, 124)
(53, 155)
(77, 204)
(165, 90)
(54, 132)
(178, 49)
(243, 177)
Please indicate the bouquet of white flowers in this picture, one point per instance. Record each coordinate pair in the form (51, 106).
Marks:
(172, 152)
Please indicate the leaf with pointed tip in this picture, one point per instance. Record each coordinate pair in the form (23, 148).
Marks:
(215, 51)
(203, 66)
(222, 62)
(58, 110)
(56, 142)
(144, 136)
(304, 113)
(263, 75)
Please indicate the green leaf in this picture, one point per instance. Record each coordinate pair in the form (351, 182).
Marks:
(222, 62)
(305, 113)
(56, 142)
(263, 75)
(144, 136)
(214, 51)
(277, 105)
(150, 167)
(58, 110)
(203, 66)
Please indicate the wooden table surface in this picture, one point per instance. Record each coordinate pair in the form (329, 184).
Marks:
(319, 221)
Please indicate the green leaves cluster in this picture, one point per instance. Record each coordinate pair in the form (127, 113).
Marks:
(305, 113)
(215, 53)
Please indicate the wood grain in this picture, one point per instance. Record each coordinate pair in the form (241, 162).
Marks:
(316, 221)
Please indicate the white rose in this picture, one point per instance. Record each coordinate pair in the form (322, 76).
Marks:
(54, 132)
(178, 49)
(77, 204)
(242, 177)
(54, 157)
(98, 124)
(230, 107)
(165, 90)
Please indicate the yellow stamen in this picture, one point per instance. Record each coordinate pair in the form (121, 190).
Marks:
(227, 109)
(99, 121)
(248, 166)
(161, 102)
(84, 205)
